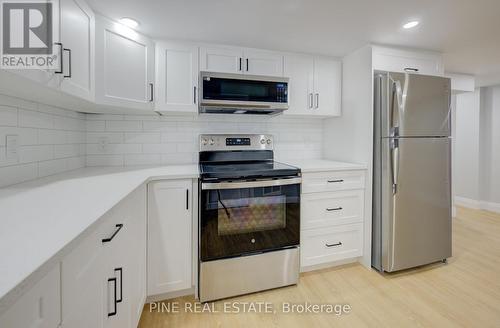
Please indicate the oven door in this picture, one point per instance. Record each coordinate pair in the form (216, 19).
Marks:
(244, 217)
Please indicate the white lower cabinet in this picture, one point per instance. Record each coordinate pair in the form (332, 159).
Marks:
(169, 236)
(330, 244)
(39, 307)
(103, 278)
(332, 215)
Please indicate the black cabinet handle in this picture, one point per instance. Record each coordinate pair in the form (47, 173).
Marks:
(69, 62)
(336, 181)
(411, 69)
(334, 245)
(61, 59)
(107, 240)
(240, 63)
(110, 314)
(334, 209)
(247, 64)
(187, 199)
(151, 92)
(194, 95)
(120, 270)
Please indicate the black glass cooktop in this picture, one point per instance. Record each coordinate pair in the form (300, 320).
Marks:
(241, 170)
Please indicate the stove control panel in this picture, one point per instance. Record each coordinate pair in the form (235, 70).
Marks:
(221, 142)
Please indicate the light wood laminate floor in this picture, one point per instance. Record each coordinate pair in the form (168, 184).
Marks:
(463, 293)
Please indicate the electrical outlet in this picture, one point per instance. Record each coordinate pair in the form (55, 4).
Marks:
(12, 147)
(103, 143)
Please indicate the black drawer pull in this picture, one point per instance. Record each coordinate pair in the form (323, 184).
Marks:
(121, 284)
(411, 69)
(336, 181)
(334, 245)
(107, 240)
(110, 314)
(334, 209)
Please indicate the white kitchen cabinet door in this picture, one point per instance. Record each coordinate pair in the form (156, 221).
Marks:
(299, 69)
(412, 61)
(77, 36)
(327, 86)
(221, 59)
(262, 62)
(124, 66)
(169, 236)
(39, 307)
(176, 77)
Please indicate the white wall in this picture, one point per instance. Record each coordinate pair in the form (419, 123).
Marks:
(466, 155)
(477, 149)
(51, 140)
(489, 172)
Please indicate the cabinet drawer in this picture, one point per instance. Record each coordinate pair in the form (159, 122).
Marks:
(40, 307)
(331, 244)
(332, 181)
(397, 60)
(332, 208)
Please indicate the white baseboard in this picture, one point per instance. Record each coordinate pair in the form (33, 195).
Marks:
(477, 204)
(467, 202)
(489, 206)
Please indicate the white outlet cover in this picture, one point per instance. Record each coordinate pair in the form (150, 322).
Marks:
(11, 147)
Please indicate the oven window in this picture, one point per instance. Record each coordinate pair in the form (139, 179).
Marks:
(242, 215)
(238, 221)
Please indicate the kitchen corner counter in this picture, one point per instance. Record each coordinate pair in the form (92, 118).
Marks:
(41, 217)
(320, 165)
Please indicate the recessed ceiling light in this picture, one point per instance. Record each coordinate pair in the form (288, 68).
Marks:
(411, 24)
(130, 22)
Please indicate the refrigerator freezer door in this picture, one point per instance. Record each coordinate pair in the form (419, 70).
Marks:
(418, 106)
(416, 214)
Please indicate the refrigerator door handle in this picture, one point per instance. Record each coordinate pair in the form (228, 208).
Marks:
(395, 164)
(400, 94)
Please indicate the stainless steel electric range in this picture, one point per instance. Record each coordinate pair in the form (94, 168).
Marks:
(249, 217)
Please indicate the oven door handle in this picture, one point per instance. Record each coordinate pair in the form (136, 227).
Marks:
(249, 184)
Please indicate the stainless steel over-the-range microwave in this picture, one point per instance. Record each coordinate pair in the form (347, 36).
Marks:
(224, 93)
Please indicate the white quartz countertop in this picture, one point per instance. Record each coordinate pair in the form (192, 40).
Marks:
(319, 165)
(39, 218)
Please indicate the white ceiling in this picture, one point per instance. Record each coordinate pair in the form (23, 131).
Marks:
(466, 31)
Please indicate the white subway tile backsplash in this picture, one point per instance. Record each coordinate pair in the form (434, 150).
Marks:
(124, 126)
(18, 173)
(104, 160)
(29, 154)
(8, 116)
(54, 140)
(142, 137)
(26, 136)
(141, 159)
(95, 126)
(32, 119)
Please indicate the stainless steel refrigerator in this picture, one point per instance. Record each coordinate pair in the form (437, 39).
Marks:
(412, 171)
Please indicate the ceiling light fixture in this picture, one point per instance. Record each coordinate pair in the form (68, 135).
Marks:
(411, 24)
(130, 22)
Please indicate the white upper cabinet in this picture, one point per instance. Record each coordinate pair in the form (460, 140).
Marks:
(241, 61)
(77, 38)
(315, 85)
(124, 66)
(327, 86)
(176, 77)
(262, 62)
(412, 61)
(221, 59)
(299, 69)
